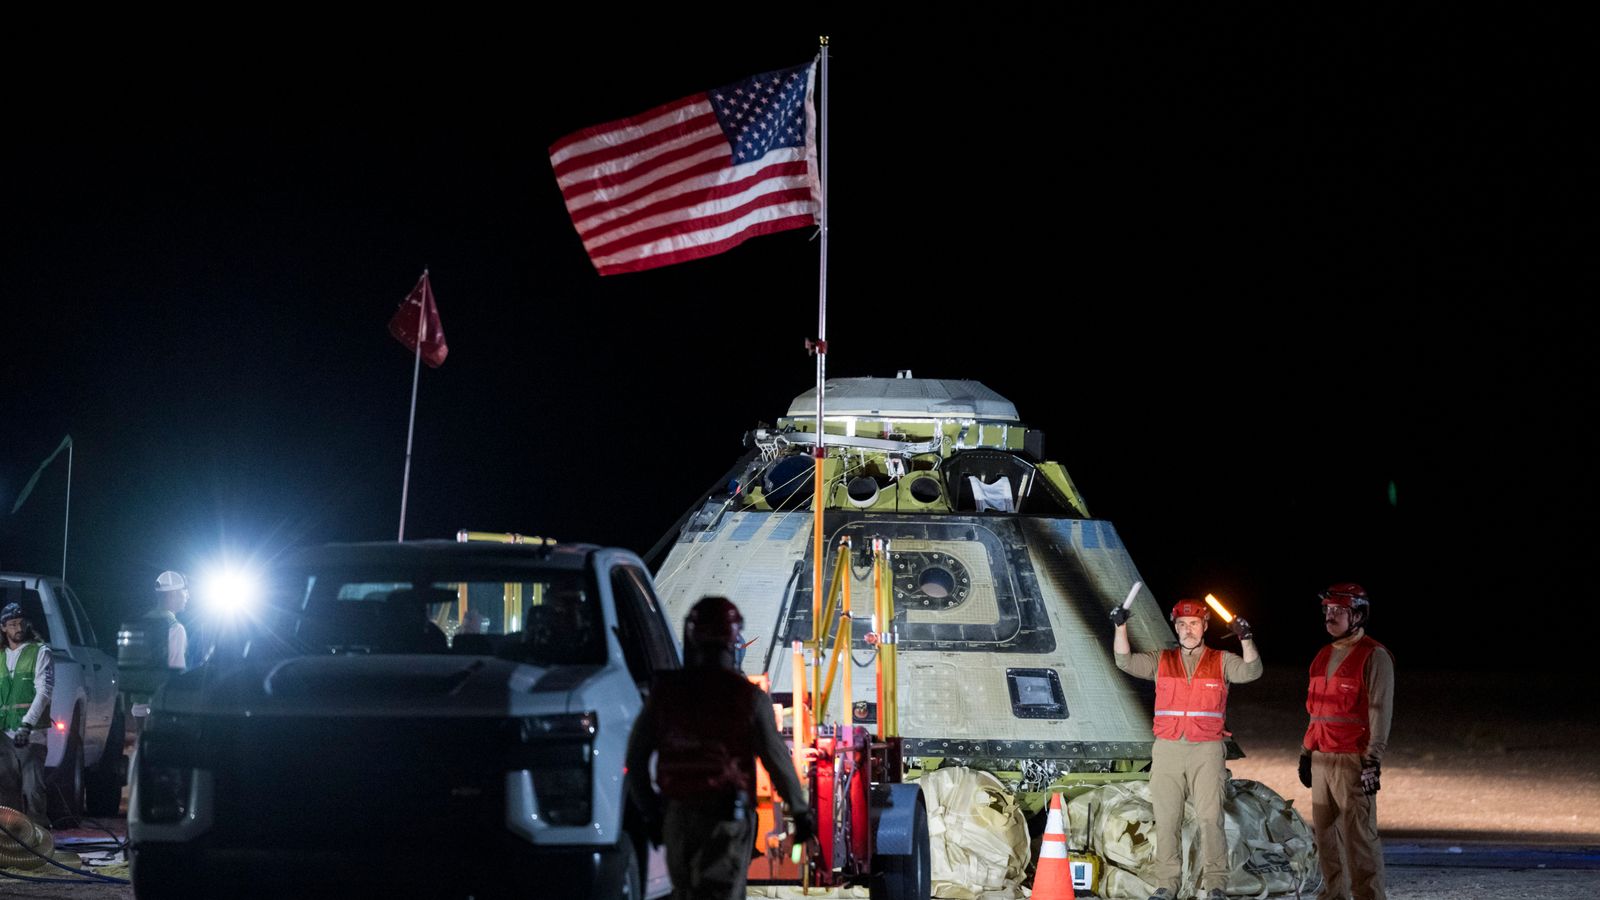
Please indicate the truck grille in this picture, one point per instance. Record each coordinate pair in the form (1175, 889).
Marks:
(314, 784)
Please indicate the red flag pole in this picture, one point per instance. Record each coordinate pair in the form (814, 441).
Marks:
(416, 375)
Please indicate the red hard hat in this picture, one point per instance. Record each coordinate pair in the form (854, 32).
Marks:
(1345, 594)
(1193, 608)
(714, 620)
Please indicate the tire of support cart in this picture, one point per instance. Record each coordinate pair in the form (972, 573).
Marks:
(901, 864)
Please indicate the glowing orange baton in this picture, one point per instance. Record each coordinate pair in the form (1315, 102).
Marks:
(1222, 611)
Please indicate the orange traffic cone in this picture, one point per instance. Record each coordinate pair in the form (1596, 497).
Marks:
(1052, 878)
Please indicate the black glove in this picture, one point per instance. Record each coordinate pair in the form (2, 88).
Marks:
(1305, 768)
(1370, 770)
(1242, 629)
(1119, 616)
(805, 826)
(24, 735)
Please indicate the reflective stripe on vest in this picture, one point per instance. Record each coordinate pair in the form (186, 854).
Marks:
(1337, 703)
(1190, 707)
(16, 688)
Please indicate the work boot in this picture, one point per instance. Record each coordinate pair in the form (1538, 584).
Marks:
(1216, 894)
(1162, 894)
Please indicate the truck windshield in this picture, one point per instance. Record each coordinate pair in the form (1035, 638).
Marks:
(548, 622)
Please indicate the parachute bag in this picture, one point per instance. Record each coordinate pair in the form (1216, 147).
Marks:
(1270, 848)
(978, 837)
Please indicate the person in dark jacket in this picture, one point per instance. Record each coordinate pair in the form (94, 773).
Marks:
(707, 724)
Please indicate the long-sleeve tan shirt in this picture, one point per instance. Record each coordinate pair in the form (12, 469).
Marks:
(1378, 674)
(1234, 669)
(1144, 665)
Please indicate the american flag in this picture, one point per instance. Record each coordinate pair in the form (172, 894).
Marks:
(694, 177)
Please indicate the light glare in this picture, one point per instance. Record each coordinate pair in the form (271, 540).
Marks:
(231, 590)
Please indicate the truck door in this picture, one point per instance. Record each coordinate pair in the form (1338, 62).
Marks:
(646, 644)
(99, 670)
(648, 648)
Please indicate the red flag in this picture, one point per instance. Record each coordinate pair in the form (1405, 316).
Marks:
(404, 326)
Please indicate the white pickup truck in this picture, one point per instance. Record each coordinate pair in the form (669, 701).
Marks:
(430, 718)
(84, 766)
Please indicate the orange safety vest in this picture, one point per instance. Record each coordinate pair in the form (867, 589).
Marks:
(702, 720)
(1190, 708)
(1338, 703)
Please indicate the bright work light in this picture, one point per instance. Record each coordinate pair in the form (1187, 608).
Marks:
(231, 590)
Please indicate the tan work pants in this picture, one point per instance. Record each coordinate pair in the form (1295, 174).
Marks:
(1195, 771)
(708, 855)
(1345, 823)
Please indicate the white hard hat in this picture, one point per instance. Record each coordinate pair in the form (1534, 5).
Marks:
(171, 581)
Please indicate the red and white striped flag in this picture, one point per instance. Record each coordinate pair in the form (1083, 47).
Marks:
(694, 177)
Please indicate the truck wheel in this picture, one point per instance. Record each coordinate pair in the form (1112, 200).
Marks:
(908, 877)
(160, 876)
(103, 783)
(64, 784)
(632, 887)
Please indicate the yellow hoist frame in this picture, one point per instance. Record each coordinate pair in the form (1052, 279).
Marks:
(833, 631)
(513, 597)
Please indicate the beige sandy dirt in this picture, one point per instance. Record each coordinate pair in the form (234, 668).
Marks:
(1472, 757)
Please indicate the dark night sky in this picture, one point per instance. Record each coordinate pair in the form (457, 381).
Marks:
(1243, 276)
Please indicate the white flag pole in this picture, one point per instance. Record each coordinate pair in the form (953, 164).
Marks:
(416, 375)
(822, 223)
(819, 629)
(66, 516)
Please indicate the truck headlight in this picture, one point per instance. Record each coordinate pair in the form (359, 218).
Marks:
(558, 752)
(167, 762)
(164, 792)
